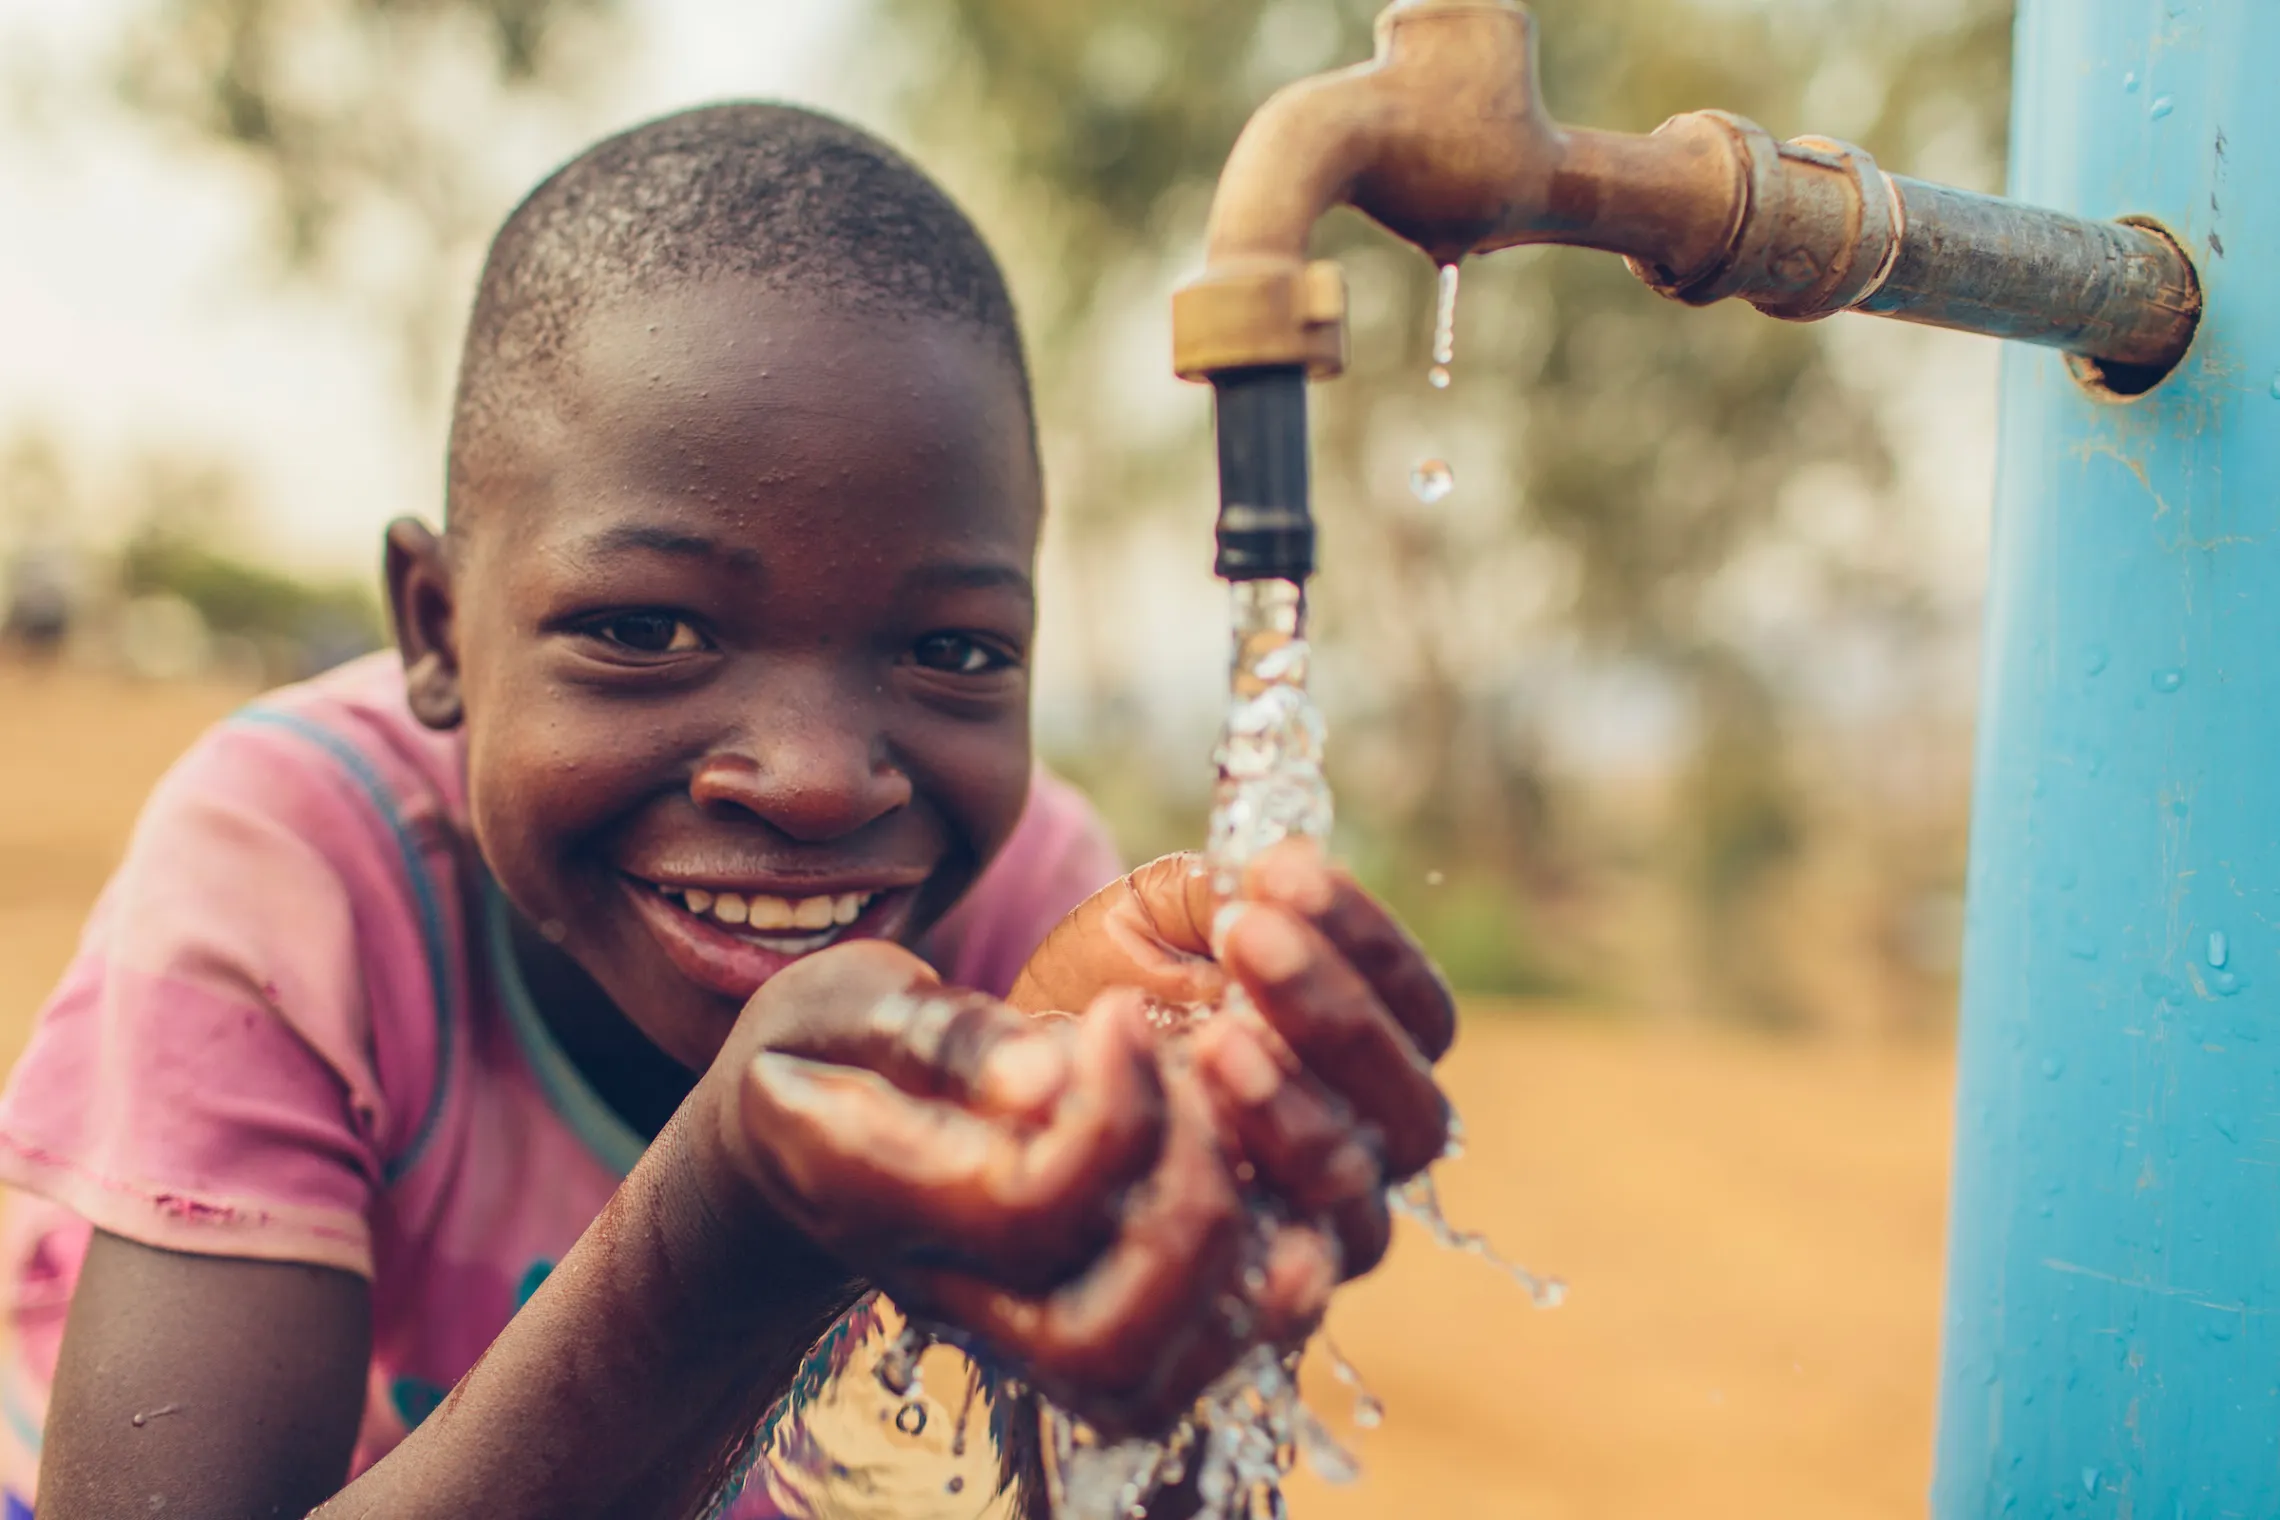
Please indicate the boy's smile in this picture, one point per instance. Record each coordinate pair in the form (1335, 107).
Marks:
(737, 607)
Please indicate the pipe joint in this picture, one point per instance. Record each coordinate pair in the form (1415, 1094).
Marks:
(1816, 231)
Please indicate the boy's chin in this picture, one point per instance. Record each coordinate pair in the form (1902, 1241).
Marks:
(736, 963)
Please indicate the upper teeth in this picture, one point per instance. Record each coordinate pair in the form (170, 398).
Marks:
(761, 911)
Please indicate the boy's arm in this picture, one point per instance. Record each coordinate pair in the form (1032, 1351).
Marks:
(218, 1386)
(629, 1381)
(620, 1389)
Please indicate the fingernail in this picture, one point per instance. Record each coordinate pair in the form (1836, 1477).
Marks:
(1274, 947)
(1351, 1171)
(1244, 1065)
(1028, 1073)
(1297, 875)
(1223, 924)
(790, 1080)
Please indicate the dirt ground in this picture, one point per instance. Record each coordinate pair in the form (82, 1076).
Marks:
(1750, 1230)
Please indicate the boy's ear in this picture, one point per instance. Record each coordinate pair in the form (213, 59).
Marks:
(421, 604)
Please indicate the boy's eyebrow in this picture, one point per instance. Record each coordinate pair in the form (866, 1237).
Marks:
(983, 576)
(660, 540)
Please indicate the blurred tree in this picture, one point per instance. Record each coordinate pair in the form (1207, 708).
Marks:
(186, 514)
(1614, 451)
(361, 120)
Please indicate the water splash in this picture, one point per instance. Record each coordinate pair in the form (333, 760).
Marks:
(1444, 330)
(1369, 1409)
(1431, 481)
(1420, 1199)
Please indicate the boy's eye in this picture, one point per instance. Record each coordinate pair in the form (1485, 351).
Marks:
(648, 633)
(959, 655)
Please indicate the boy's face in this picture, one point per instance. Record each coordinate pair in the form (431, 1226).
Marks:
(739, 624)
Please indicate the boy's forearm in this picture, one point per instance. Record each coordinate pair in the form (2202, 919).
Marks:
(649, 1355)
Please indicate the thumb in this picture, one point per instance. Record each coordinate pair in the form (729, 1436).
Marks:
(1149, 930)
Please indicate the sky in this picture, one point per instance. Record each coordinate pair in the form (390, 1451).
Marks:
(136, 305)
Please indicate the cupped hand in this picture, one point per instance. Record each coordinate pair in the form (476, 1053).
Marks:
(1055, 1186)
(1325, 1082)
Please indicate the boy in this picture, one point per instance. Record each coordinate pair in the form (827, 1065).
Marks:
(485, 1080)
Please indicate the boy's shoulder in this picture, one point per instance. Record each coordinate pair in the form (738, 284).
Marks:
(335, 757)
(356, 721)
(1060, 853)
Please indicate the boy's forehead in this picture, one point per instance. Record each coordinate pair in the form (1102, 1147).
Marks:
(731, 391)
(733, 342)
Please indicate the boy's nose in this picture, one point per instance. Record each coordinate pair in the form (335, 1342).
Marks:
(809, 784)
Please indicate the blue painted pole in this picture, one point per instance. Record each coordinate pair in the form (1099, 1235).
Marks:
(2112, 1335)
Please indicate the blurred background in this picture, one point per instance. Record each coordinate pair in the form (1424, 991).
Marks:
(1657, 727)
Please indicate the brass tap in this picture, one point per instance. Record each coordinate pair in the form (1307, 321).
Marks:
(1443, 139)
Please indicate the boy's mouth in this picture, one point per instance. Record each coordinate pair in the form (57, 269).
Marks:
(793, 926)
(731, 939)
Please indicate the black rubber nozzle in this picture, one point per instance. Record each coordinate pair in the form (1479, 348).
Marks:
(1266, 529)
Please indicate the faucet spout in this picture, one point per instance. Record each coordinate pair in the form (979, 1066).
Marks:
(1444, 140)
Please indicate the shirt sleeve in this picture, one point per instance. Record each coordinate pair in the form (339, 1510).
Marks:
(1060, 854)
(202, 1080)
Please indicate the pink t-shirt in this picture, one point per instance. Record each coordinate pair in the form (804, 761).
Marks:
(293, 1031)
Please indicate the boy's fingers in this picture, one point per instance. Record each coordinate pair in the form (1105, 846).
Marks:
(869, 1172)
(1335, 1025)
(1138, 1335)
(1107, 1127)
(1302, 1143)
(1295, 875)
(867, 1166)
(932, 1041)
(1299, 1270)
(1174, 893)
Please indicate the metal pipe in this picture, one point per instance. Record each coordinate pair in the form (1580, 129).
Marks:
(1444, 140)
(2121, 292)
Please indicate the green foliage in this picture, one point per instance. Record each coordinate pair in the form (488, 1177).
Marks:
(235, 596)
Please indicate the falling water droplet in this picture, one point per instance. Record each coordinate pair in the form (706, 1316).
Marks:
(1432, 481)
(2166, 681)
(2130, 82)
(1419, 1200)
(2276, 387)
(2220, 948)
(1444, 330)
(2162, 106)
(1369, 1409)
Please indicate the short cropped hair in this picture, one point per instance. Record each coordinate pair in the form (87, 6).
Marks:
(776, 194)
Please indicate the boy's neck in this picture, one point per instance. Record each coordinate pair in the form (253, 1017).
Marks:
(641, 1084)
